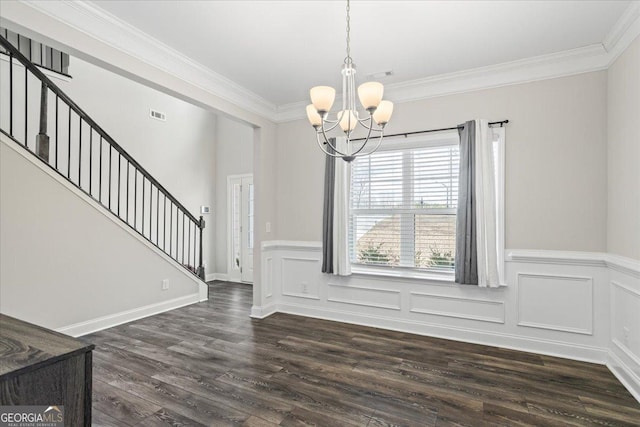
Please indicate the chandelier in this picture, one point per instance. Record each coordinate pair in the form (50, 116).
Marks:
(378, 111)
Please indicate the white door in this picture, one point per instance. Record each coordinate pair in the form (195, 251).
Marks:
(240, 198)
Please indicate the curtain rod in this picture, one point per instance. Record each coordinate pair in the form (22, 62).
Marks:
(406, 134)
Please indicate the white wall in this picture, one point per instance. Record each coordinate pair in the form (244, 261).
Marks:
(573, 323)
(300, 182)
(556, 189)
(623, 213)
(555, 200)
(623, 154)
(66, 264)
(179, 152)
(120, 55)
(575, 305)
(569, 213)
(234, 156)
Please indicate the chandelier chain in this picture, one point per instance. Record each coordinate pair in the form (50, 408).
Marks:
(348, 59)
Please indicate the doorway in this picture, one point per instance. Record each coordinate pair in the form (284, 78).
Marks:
(240, 227)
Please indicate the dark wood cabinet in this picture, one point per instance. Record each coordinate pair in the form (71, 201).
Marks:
(43, 367)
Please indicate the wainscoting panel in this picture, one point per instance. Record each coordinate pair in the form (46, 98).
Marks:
(578, 305)
(359, 295)
(299, 277)
(462, 308)
(556, 302)
(624, 355)
(625, 316)
(268, 284)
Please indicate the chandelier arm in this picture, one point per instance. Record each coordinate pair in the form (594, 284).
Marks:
(371, 128)
(335, 124)
(329, 144)
(372, 151)
(334, 147)
(327, 141)
(364, 144)
(363, 123)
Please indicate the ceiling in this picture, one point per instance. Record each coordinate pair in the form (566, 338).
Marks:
(279, 49)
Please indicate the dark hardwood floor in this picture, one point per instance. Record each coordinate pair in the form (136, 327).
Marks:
(210, 364)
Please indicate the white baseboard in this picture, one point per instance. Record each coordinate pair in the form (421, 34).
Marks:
(217, 276)
(541, 346)
(203, 292)
(624, 374)
(104, 322)
(262, 312)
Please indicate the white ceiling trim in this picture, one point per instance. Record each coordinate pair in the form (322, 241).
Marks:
(576, 61)
(110, 30)
(118, 34)
(625, 30)
(570, 62)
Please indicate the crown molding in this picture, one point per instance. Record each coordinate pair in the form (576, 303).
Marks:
(625, 31)
(116, 33)
(626, 20)
(292, 111)
(570, 62)
(120, 35)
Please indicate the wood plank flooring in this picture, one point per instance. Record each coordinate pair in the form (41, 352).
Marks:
(210, 364)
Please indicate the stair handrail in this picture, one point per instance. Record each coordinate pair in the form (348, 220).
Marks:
(14, 52)
(48, 84)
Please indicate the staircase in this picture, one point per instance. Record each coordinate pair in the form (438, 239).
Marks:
(62, 136)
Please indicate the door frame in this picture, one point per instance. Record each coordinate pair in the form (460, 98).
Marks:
(230, 264)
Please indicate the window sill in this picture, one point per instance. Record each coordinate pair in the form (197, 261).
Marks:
(439, 278)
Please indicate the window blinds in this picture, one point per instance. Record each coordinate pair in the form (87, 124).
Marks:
(403, 207)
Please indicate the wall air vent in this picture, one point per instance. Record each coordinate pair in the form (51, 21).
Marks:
(380, 75)
(158, 115)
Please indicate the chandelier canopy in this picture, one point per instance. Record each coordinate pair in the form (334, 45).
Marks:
(378, 111)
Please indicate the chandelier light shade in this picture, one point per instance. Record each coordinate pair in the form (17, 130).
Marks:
(383, 112)
(377, 112)
(322, 98)
(370, 94)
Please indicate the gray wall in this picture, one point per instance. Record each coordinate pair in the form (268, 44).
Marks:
(234, 156)
(189, 87)
(556, 175)
(623, 154)
(63, 261)
(179, 152)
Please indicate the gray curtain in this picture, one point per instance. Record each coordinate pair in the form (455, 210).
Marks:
(466, 261)
(327, 211)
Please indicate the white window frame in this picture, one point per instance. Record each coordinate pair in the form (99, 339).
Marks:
(440, 139)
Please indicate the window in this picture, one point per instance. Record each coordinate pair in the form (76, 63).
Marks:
(403, 204)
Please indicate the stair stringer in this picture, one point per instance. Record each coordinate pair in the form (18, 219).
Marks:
(76, 298)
